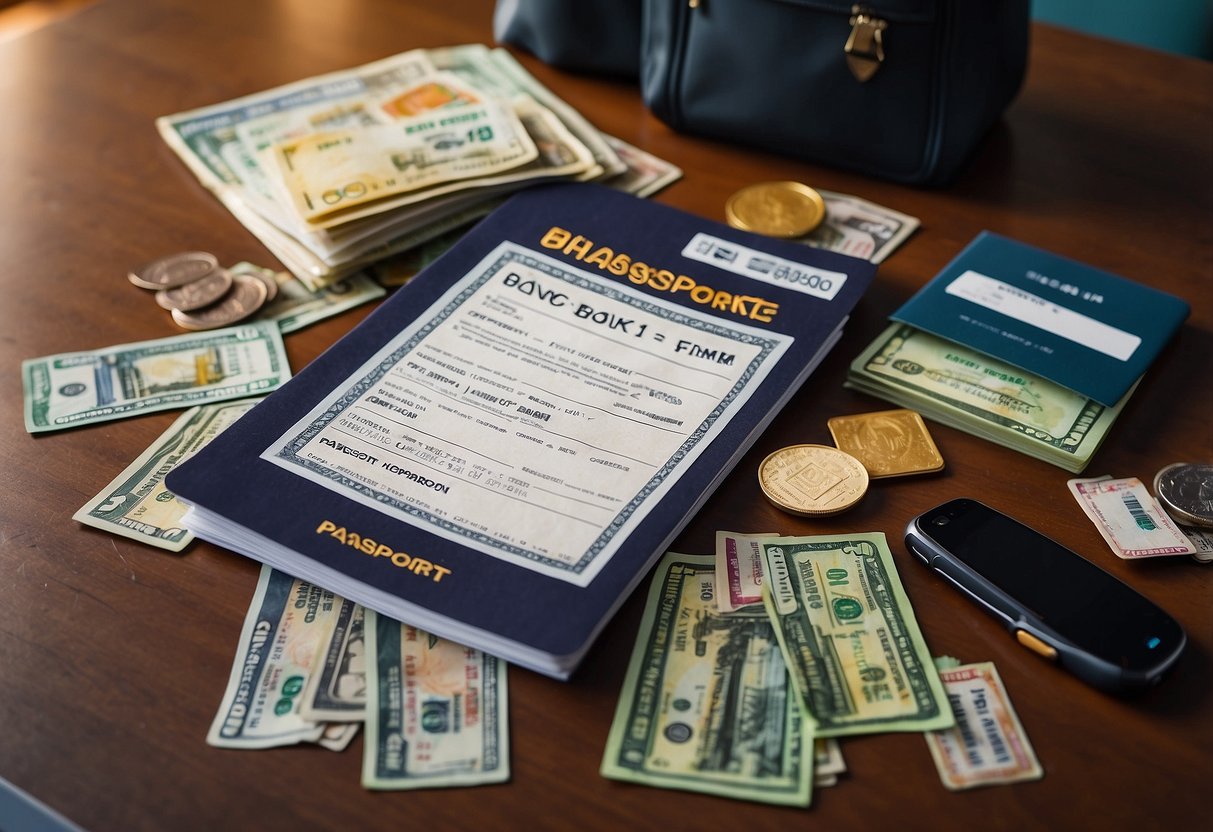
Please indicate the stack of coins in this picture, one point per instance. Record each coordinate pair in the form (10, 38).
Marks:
(201, 294)
(776, 209)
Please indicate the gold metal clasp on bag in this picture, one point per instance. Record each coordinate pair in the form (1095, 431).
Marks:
(865, 47)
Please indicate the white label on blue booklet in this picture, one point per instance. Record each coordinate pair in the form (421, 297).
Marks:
(1036, 311)
(760, 265)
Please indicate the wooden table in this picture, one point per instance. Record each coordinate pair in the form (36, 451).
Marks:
(114, 655)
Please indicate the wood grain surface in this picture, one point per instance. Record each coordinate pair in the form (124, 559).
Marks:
(114, 655)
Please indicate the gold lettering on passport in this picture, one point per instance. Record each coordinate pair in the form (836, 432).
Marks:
(372, 547)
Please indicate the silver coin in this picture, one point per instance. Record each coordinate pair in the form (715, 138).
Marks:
(246, 296)
(202, 292)
(1186, 491)
(174, 270)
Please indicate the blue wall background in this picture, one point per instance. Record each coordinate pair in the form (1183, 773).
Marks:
(1182, 26)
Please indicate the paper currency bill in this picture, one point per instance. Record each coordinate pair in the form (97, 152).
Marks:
(739, 568)
(827, 762)
(499, 73)
(287, 622)
(973, 392)
(136, 504)
(853, 647)
(988, 745)
(297, 307)
(206, 138)
(226, 144)
(646, 174)
(338, 170)
(83, 388)
(259, 189)
(706, 705)
(1202, 542)
(336, 689)
(401, 268)
(558, 156)
(860, 228)
(437, 712)
(337, 736)
(1129, 519)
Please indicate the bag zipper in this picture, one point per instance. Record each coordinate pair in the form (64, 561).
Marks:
(865, 47)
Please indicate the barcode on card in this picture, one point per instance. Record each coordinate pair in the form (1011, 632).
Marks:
(1139, 514)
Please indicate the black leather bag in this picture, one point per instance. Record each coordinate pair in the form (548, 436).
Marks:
(898, 89)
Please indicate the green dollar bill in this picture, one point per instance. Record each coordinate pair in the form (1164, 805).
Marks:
(437, 713)
(854, 651)
(706, 705)
(404, 161)
(136, 504)
(336, 690)
(296, 306)
(286, 624)
(83, 388)
(981, 395)
(207, 140)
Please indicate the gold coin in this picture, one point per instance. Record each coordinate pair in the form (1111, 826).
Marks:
(246, 296)
(812, 480)
(889, 443)
(777, 209)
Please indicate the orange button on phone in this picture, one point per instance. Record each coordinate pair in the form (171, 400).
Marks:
(1035, 645)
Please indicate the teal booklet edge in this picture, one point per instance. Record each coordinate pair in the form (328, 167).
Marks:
(1089, 330)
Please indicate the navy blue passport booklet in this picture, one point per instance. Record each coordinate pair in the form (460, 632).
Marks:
(500, 452)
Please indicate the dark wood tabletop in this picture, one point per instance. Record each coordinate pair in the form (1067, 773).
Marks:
(114, 656)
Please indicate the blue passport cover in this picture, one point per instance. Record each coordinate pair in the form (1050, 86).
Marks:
(1089, 330)
(499, 599)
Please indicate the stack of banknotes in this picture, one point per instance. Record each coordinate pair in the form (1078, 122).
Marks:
(341, 170)
(968, 390)
(312, 667)
(723, 695)
(749, 666)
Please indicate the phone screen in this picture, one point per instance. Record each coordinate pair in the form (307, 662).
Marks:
(1077, 599)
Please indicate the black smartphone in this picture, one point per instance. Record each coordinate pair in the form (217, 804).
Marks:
(1055, 602)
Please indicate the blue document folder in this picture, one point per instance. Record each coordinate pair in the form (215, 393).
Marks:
(500, 452)
(1089, 330)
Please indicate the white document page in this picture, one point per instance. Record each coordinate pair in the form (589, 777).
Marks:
(535, 412)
